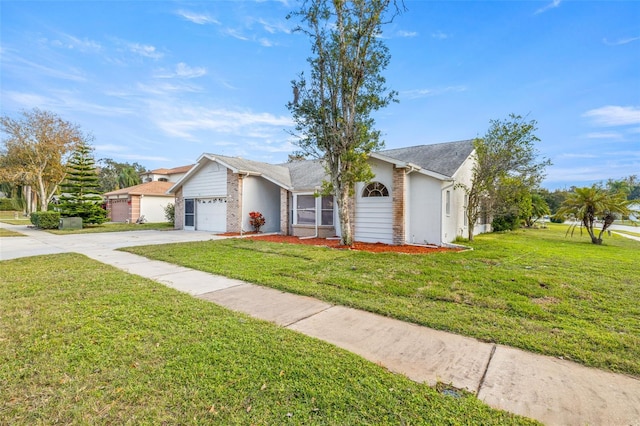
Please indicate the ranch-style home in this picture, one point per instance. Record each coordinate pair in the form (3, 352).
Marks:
(413, 199)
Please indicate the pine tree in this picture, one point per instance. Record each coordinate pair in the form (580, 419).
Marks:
(80, 195)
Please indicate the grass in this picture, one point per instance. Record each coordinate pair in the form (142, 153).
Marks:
(635, 234)
(84, 343)
(532, 289)
(9, 233)
(113, 227)
(14, 218)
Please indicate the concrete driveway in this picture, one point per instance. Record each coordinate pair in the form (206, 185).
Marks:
(42, 242)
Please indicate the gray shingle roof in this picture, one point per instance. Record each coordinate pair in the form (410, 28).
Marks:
(274, 172)
(306, 174)
(443, 158)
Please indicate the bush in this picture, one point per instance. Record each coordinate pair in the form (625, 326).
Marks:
(509, 222)
(554, 219)
(7, 204)
(46, 220)
(256, 220)
(170, 213)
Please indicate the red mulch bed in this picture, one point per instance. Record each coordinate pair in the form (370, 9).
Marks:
(370, 247)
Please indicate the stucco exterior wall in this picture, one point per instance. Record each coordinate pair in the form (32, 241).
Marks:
(262, 196)
(424, 209)
(152, 207)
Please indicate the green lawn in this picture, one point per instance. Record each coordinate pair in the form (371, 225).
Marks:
(114, 227)
(9, 233)
(14, 218)
(84, 343)
(532, 289)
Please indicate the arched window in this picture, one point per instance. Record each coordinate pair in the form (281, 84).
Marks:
(375, 189)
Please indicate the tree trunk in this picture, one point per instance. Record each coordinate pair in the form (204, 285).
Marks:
(346, 232)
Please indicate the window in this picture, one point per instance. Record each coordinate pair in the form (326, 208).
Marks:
(448, 203)
(375, 189)
(327, 210)
(189, 212)
(306, 210)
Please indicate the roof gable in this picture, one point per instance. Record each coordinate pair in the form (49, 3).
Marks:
(443, 158)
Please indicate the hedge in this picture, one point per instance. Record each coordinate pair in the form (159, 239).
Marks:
(46, 220)
(7, 204)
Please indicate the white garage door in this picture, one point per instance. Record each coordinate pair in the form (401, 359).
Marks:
(211, 214)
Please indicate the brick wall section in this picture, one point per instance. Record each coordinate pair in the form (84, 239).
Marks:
(284, 212)
(179, 212)
(134, 208)
(234, 200)
(398, 205)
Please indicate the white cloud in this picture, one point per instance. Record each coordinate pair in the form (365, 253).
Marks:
(197, 18)
(145, 50)
(423, 93)
(236, 34)
(439, 35)
(185, 121)
(274, 27)
(620, 41)
(613, 115)
(70, 42)
(604, 135)
(265, 42)
(185, 71)
(409, 34)
(552, 5)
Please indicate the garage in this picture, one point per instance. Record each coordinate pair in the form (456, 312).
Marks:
(211, 214)
(119, 209)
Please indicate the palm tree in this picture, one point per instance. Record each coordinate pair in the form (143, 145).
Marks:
(587, 205)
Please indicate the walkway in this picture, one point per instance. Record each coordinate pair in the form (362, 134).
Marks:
(551, 390)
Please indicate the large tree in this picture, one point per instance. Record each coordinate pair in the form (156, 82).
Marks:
(80, 195)
(35, 149)
(590, 205)
(114, 175)
(506, 153)
(332, 108)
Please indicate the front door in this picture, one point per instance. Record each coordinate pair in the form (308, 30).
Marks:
(189, 214)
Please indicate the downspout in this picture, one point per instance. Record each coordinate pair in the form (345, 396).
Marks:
(453, 182)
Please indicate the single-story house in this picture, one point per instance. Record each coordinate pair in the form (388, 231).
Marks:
(147, 199)
(413, 199)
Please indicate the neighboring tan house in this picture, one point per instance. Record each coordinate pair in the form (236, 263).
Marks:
(147, 199)
(414, 197)
(165, 175)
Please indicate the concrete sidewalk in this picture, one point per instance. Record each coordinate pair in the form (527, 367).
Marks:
(551, 390)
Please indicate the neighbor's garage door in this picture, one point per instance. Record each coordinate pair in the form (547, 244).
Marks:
(119, 210)
(211, 214)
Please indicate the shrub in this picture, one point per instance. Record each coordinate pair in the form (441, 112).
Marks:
(7, 204)
(555, 219)
(46, 220)
(508, 222)
(256, 220)
(170, 213)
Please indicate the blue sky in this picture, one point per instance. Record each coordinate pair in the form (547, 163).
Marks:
(161, 82)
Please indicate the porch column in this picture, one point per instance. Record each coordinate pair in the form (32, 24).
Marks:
(285, 211)
(398, 205)
(234, 201)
